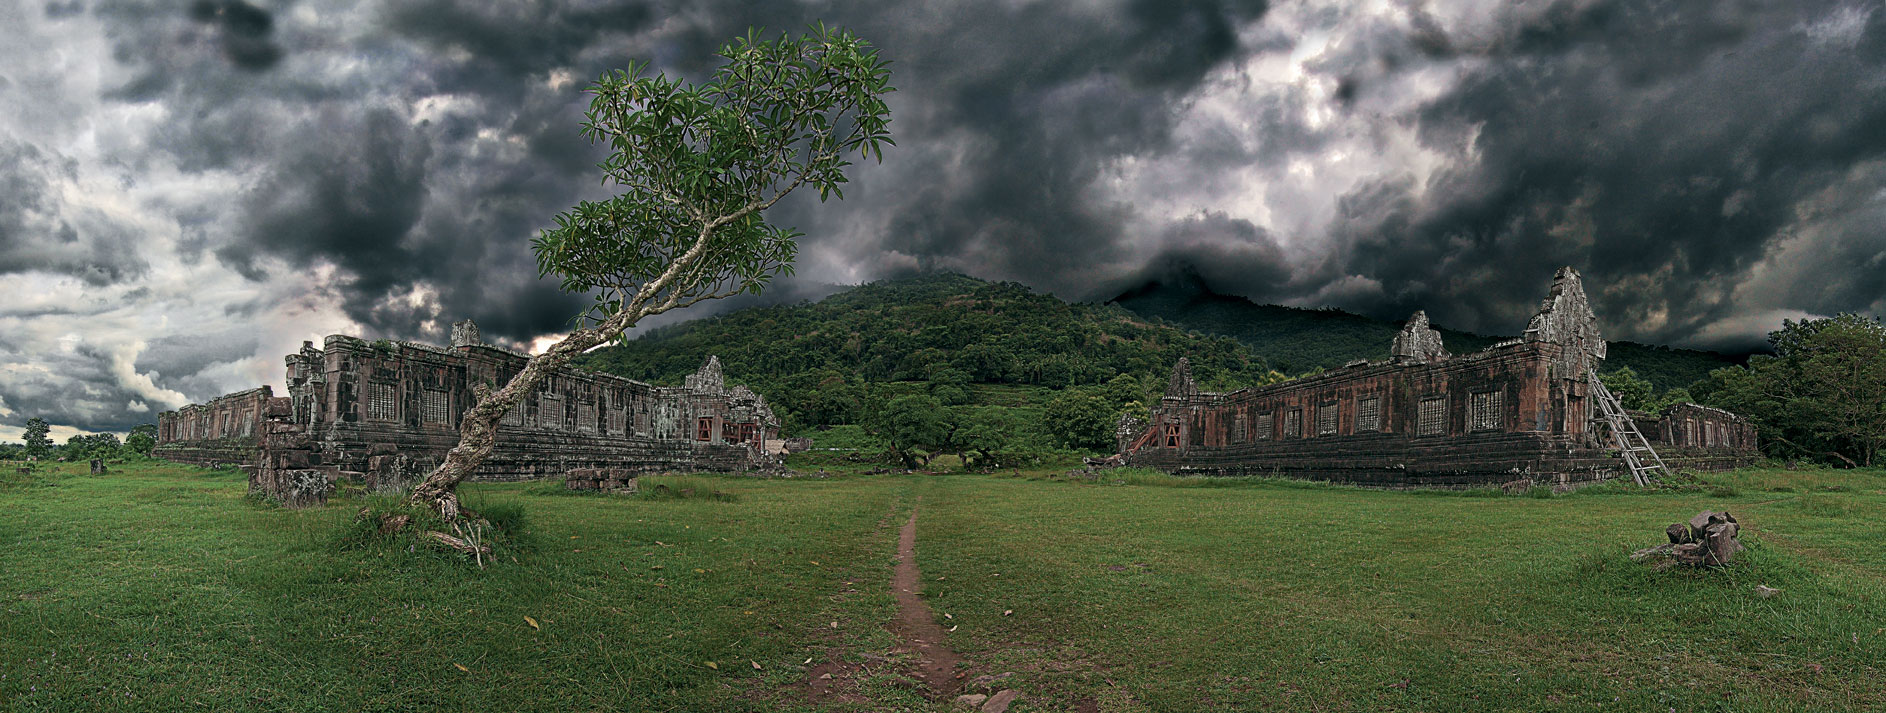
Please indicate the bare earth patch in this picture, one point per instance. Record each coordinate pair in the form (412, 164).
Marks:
(916, 625)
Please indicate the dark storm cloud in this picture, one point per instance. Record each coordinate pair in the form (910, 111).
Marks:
(1220, 250)
(518, 39)
(244, 31)
(1005, 117)
(39, 231)
(1024, 103)
(76, 387)
(350, 192)
(1663, 148)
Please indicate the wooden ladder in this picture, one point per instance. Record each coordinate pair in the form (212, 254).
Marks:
(1630, 442)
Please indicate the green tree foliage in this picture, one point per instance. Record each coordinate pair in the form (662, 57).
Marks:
(97, 445)
(820, 397)
(918, 329)
(1822, 395)
(1634, 393)
(993, 437)
(698, 166)
(950, 386)
(1082, 418)
(915, 427)
(38, 444)
(142, 439)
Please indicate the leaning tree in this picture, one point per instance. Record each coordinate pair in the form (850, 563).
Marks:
(698, 166)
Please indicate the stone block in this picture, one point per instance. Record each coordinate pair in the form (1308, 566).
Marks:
(288, 459)
(304, 488)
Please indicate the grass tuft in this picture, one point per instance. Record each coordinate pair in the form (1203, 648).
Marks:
(502, 526)
(682, 487)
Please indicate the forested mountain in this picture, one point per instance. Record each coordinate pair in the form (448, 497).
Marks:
(1295, 340)
(814, 361)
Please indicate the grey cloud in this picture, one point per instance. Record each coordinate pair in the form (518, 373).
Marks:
(1215, 249)
(40, 231)
(1663, 148)
(244, 31)
(75, 389)
(1037, 96)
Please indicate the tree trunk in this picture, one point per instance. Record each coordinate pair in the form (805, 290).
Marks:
(478, 429)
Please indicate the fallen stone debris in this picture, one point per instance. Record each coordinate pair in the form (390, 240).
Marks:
(615, 481)
(1709, 539)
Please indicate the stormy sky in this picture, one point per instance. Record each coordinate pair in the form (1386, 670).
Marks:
(189, 189)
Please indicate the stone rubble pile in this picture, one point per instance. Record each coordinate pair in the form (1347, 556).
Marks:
(1709, 539)
(618, 481)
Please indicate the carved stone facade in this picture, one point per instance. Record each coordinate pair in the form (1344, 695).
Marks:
(1517, 410)
(1417, 342)
(226, 431)
(1699, 437)
(385, 413)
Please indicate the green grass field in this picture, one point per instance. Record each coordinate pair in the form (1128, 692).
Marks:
(162, 588)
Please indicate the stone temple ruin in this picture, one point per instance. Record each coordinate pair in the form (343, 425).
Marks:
(1520, 411)
(385, 413)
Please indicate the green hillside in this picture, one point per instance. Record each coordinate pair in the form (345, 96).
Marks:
(1296, 340)
(815, 361)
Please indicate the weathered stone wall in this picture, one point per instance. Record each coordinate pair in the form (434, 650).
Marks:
(1696, 437)
(225, 431)
(1520, 410)
(385, 413)
(1490, 418)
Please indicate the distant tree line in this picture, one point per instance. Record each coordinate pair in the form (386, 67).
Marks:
(1821, 396)
(37, 444)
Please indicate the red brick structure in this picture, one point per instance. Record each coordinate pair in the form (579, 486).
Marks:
(1518, 410)
(226, 431)
(1699, 437)
(384, 413)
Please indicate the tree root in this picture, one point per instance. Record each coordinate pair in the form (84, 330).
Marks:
(458, 544)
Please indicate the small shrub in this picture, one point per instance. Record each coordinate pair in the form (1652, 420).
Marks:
(503, 528)
(508, 523)
(1724, 491)
(1539, 492)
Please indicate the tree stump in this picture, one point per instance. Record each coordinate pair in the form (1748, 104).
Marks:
(1709, 539)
